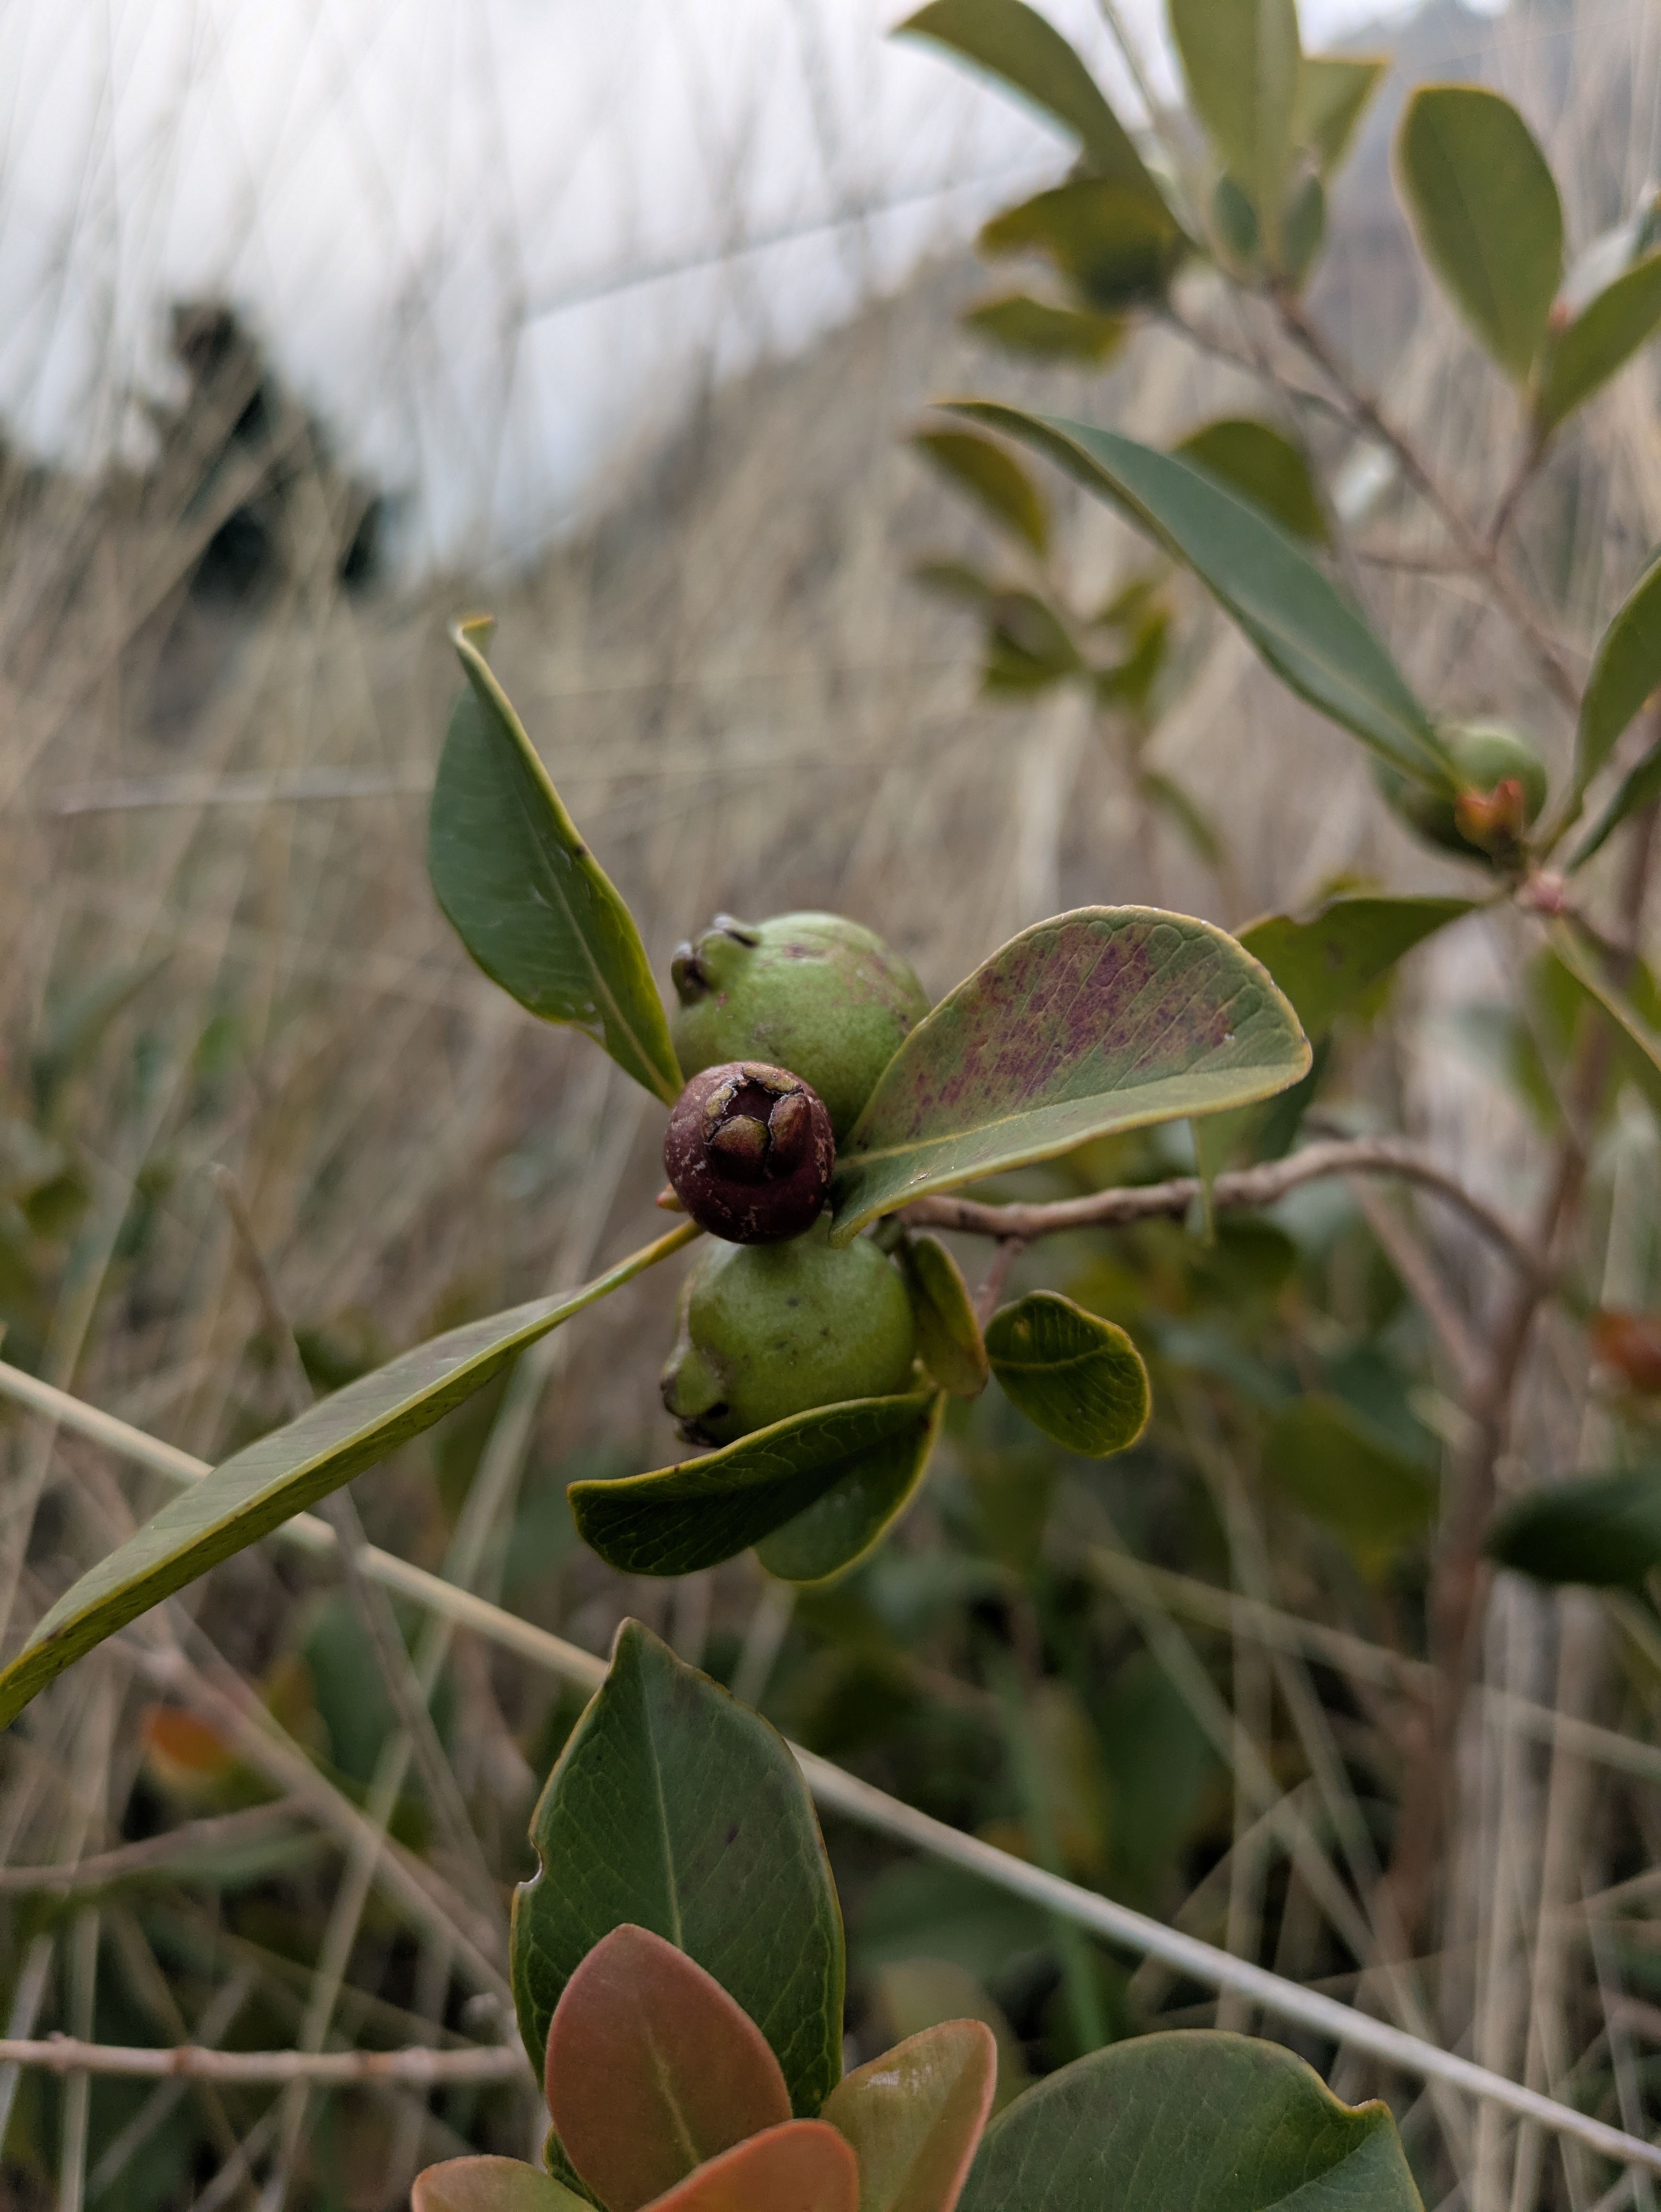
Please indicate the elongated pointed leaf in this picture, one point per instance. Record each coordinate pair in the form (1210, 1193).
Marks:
(1601, 1530)
(1625, 671)
(1308, 633)
(1334, 92)
(949, 1339)
(914, 2117)
(491, 2185)
(1241, 61)
(849, 1520)
(652, 2069)
(1116, 248)
(1262, 466)
(1600, 341)
(699, 1511)
(803, 2166)
(1486, 213)
(1196, 2122)
(1325, 963)
(1077, 1377)
(1109, 1017)
(677, 1809)
(524, 893)
(1013, 42)
(1641, 784)
(270, 1481)
(1639, 1041)
(1021, 323)
(991, 474)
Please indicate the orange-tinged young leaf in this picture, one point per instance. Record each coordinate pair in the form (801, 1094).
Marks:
(652, 2069)
(1631, 1344)
(914, 2116)
(491, 2184)
(803, 2166)
(182, 1748)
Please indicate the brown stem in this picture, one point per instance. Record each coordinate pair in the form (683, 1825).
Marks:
(1010, 1249)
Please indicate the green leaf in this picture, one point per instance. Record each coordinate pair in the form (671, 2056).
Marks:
(910, 1995)
(1107, 1018)
(269, 1481)
(1641, 784)
(491, 2185)
(914, 2117)
(1021, 323)
(1486, 213)
(1310, 636)
(701, 1511)
(652, 2069)
(1334, 91)
(1027, 644)
(1201, 2122)
(840, 1528)
(1241, 61)
(1601, 1530)
(1325, 963)
(1625, 671)
(1303, 228)
(1118, 249)
(1639, 1039)
(525, 895)
(1013, 42)
(1268, 469)
(1602, 337)
(674, 1809)
(803, 2166)
(1350, 1477)
(991, 474)
(1077, 1377)
(949, 1339)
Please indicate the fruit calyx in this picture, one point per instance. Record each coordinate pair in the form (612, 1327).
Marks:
(749, 1152)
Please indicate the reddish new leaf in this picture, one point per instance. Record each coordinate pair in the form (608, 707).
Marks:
(653, 2069)
(803, 2166)
(914, 2116)
(1630, 1343)
(491, 2184)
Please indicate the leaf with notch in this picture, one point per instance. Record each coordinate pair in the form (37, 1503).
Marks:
(1313, 639)
(847, 1523)
(914, 2116)
(991, 474)
(1625, 671)
(677, 1809)
(1334, 92)
(1264, 467)
(1118, 249)
(1599, 342)
(1242, 62)
(1603, 1530)
(1077, 1377)
(524, 893)
(1021, 323)
(271, 1480)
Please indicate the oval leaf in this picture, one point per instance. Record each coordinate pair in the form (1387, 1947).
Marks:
(914, 2117)
(525, 895)
(1600, 1529)
(949, 1339)
(1334, 91)
(1077, 1377)
(699, 1511)
(1173, 2123)
(270, 1481)
(1327, 963)
(803, 2166)
(1111, 1018)
(1117, 247)
(491, 2185)
(842, 1526)
(1602, 337)
(674, 1809)
(1241, 61)
(1021, 323)
(992, 475)
(1339, 1470)
(1625, 671)
(652, 2069)
(1310, 636)
(1486, 213)
(1265, 468)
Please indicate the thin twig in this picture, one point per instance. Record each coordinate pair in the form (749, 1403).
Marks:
(991, 1289)
(171, 1853)
(418, 2067)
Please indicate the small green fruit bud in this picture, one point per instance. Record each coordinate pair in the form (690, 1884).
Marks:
(1504, 788)
(749, 1152)
(768, 1330)
(810, 992)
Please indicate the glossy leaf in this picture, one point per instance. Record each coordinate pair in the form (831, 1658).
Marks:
(1021, 323)
(910, 1995)
(1242, 62)
(1107, 1018)
(699, 1511)
(1486, 213)
(1119, 249)
(1601, 1530)
(949, 1339)
(491, 2185)
(991, 474)
(677, 1809)
(1013, 42)
(1334, 92)
(1077, 1377)
(840, 1528)
(1257, 461)
(1600, 341)
(269, 1481)
(652, 2069)
(525, 895)
(1625, 671)
(803, 2166)
(1200, 2121)
(1327, 963)
(1342, 1472)
(1310, 635)
(914, 2117)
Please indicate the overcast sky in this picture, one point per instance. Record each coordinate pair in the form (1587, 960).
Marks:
(451, 220)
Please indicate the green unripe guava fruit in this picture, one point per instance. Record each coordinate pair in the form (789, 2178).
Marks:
(809, 992)
(1486, 754)
(767, 1330)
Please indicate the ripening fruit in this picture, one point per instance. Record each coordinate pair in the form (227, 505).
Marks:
(809, 992)
(1506, 788)
(749, 1152)
(767, 1330)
